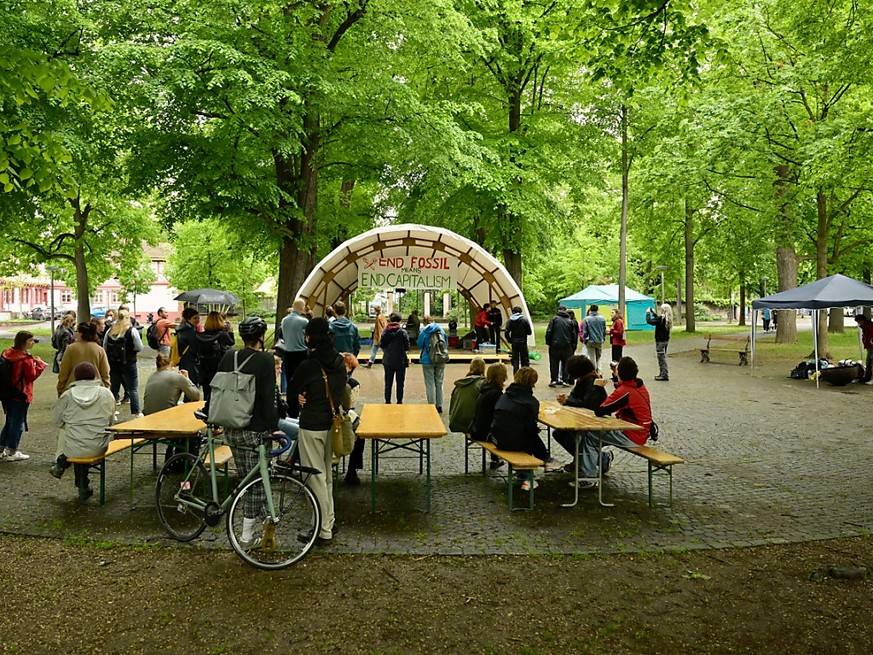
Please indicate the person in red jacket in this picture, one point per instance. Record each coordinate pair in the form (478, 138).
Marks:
(616, 336)
(25, 369)
(482, 325)
(629, 402)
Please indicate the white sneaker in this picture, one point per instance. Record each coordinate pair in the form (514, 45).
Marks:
(140, 415)
(869, 382)
(3, 454)
(553, 466)
(16, 456)
(525, 486)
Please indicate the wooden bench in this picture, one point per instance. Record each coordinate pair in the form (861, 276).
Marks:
(658, 463)
(223, 455)
(736, 339)
(99, 462)
(516, 461)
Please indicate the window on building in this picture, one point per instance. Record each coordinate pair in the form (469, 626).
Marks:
(66, 297)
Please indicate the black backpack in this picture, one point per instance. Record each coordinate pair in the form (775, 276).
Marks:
(152, 337)
(116, 349)
(209, 349)
(8, 389)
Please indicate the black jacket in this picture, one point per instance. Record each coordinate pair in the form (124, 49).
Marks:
(662, 332)
(316, 413)
(211, 346)
(515, 418)
(561, 332)
(586, 394)
(186, 336)
(264, 415)
(394, 344)
(483, 414)
(517, 329)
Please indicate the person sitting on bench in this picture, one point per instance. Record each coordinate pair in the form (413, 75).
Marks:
(629, 402)
(588, 392)
(84, 411)
(515, 422)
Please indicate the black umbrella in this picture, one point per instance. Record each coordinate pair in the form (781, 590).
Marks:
(208, 297)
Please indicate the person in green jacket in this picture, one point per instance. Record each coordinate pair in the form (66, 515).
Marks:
(462, 405)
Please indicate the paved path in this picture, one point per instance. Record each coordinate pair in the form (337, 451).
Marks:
(769, 460)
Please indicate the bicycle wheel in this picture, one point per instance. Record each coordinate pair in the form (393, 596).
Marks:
(182, 477)
(280, 544)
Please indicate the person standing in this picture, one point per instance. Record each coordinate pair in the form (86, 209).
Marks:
(322, 379)
(294, 334)
(482, 325)
(395, 345)
(186, 344)
(517, 331)
(496, 319)
(616, 336)
(164, 325)
(434, 372)
(378, 327)
(215, 340)
(765, 318)
(663, 324)
(122, 343)
(243, 442)
(346, 338)
(593, 336)
(866, 327)
(561, 339)
(86, 348)
(413, 324)
(63, 336)
(84, 411)
(25, 369)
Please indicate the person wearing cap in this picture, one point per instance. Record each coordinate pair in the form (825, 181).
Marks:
(25, 369)
(84, 411)
(561, 338)
(322, 380)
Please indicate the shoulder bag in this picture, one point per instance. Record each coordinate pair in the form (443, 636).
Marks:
(341, 432)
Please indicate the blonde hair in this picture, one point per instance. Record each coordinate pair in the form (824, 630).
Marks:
(496, 374)
(69, 320)
(214, 321)
(477, 366)
(667, 313)
(526, 376)
(122, 325)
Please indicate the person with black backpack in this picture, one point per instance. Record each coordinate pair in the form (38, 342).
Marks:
(18, 370)
(434, 356)
(122, 343)
(215, 340)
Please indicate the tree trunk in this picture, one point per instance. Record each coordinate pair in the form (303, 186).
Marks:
(297, 253)
(742, 309)
(690, 325)
(786, 257)
(83, 304)
(625, 190)
(821, 264)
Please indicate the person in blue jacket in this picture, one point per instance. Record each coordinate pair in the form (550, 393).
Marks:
(434, 372)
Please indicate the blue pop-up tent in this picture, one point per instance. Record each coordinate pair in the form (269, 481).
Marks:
(606, 295)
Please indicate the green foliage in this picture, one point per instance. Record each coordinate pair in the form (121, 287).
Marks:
(206, 254)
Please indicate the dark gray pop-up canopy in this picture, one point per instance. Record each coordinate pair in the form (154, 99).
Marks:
(834, 291)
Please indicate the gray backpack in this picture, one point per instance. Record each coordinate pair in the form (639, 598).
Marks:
(233, 396)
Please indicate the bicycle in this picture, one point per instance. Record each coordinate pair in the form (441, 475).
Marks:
(187, 502)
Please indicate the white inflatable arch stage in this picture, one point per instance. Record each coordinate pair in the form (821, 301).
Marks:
(412, 257)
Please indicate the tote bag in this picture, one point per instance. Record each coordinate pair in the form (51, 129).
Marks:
(233, 396)
(341, 433)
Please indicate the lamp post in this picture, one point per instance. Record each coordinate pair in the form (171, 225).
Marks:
(764, 281)
(52, 270)
(662, 268)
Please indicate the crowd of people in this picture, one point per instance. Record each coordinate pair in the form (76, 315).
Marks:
(309, 374)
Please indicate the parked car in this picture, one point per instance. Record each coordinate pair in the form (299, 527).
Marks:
(40, 313)
(99, 311)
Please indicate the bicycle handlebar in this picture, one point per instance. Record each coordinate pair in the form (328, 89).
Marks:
(283, 439)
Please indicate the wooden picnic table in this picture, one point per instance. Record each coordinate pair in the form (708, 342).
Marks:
(400, 427)
(560, 417)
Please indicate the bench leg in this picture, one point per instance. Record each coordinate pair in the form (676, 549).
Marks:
(101, 467)
(668, 470)
(704, 356)
(743, 359)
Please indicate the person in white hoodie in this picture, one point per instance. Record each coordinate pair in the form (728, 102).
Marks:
(84, 411)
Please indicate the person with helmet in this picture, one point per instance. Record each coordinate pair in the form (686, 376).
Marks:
(323, 381)
(264, 421)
